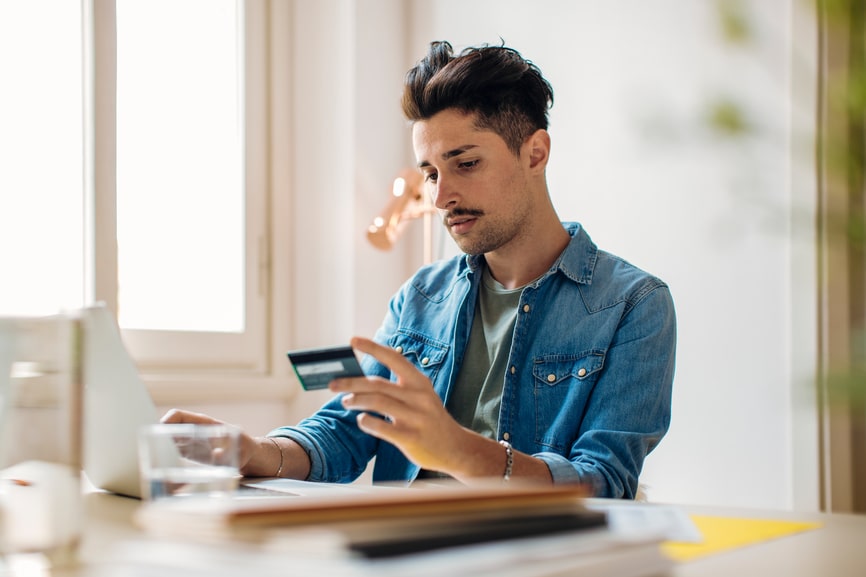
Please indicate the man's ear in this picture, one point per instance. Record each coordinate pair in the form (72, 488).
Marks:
(538, 148)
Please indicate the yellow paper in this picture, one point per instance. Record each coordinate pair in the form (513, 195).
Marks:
(724, 533)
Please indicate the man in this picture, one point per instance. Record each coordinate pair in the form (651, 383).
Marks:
(533, 356)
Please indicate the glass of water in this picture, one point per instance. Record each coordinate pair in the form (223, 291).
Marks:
(189, 460)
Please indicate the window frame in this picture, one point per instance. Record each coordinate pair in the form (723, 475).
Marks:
(178, 364)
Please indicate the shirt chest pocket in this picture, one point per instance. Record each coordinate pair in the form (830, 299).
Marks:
(425, 355)
(563, 384)
(559, 369)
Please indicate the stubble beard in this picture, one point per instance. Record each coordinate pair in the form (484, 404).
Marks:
(484, 239)
(490, 235)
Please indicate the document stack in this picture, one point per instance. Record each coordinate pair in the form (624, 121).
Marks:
(502, 530)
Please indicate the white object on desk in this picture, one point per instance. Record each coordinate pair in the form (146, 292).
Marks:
(669, 521)
(41, 507)
(40, 435)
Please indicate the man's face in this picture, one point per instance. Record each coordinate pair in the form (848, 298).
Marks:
(476, 182)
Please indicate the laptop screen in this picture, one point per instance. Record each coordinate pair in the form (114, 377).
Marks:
(116, 405)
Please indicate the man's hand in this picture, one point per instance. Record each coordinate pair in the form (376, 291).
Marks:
(249, 445)
(416, 421)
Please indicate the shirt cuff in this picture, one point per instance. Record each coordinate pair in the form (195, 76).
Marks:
(563, 471)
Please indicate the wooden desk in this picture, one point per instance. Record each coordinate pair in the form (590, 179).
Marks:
(836, 549)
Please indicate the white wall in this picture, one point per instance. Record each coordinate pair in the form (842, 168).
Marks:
(634, 161)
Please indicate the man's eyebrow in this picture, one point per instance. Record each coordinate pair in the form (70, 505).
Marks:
(450, 154)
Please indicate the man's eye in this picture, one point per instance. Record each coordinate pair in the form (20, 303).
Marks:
(468, 164)
(431, 177)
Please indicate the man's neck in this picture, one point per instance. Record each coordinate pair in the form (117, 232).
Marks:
(517, 266)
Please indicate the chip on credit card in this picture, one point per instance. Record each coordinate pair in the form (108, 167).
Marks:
(316, 368)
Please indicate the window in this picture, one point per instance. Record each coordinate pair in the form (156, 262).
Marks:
(41, 215)
(189, 225)
(158, 197)
(180, 194)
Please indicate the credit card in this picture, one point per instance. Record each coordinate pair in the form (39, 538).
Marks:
(316, 368)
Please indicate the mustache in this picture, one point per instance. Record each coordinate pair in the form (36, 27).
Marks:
(461, 212)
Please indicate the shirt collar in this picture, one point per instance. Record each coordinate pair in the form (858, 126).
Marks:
(576, 262)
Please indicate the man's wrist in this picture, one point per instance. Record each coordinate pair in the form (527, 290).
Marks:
(279, 472)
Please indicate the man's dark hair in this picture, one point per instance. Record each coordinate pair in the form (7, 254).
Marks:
(506, 92)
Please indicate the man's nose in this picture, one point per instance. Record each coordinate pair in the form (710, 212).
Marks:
(444, 196)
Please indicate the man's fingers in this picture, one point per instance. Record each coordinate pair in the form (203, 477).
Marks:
(383, 404)
(371, 425)
(385, 355)
(406, 372)
(179, 416)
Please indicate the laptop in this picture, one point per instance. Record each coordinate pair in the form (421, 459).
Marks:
(117, 405)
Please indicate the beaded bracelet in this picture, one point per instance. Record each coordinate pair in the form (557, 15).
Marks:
(509, 460)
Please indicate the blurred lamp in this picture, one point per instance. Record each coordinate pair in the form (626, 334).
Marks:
(406, 202)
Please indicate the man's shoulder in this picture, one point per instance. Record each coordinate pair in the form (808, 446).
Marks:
(447, 267)
(631, 281)
(606, 278)
(439, 277)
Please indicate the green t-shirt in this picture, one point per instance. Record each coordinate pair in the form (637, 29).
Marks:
(477, 393)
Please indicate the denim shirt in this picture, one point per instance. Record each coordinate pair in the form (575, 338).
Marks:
(591, 367)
